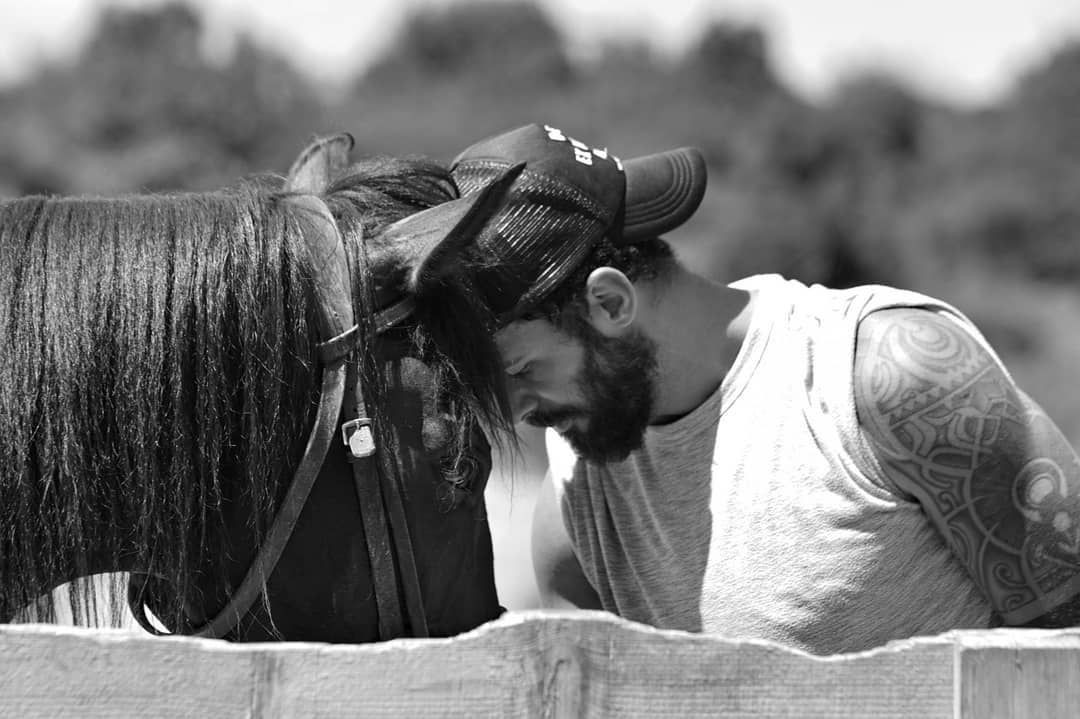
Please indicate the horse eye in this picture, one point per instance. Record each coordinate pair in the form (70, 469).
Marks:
(436, 435)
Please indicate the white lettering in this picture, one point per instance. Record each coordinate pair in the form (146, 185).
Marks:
(582, 156)
(582, 152)
(555, 133)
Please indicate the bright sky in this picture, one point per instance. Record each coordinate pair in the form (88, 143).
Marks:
(967, 50)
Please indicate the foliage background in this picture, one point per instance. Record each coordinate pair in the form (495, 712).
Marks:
(980, 207)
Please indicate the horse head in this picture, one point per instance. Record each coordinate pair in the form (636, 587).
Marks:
(421, 504)
(427, 377)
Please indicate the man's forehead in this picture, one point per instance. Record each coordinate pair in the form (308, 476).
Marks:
(529, 336)
(522, 332)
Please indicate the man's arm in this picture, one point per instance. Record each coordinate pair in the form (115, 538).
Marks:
(559, 578)
(994, 474)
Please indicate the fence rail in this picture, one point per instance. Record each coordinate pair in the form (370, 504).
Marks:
(536, 664)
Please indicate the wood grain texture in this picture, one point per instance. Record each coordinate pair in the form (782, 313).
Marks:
(534, 664)
(1019, 673)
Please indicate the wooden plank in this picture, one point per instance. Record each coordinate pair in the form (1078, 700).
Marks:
(1017, 673)
(533, 664)
(631, 670)
(46, 671)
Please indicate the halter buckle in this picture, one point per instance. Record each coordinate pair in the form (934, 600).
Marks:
(358, 437)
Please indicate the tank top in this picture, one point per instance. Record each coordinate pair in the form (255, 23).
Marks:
(763, 513)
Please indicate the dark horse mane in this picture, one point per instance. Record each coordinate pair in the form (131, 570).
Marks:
(158, 362)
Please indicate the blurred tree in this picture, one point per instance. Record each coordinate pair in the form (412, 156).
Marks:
(1020, 220)
(879, 117)
(731, 64)
(485, 41)
(458, 73)
(874, 130)
(1048, 96)
(1000, 188)
(142, 108)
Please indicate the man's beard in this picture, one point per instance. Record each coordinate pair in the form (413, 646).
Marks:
(617, 383)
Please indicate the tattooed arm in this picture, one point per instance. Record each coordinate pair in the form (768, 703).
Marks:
(990, 469)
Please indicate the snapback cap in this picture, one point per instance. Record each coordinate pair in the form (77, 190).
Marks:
(568, 196)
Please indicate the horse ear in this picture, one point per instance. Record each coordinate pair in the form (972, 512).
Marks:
(433, 239)
(320, 162)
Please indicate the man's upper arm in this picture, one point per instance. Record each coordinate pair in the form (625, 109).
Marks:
(990, 469)
(559, 577)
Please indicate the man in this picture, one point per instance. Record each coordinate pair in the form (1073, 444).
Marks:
(830, 469)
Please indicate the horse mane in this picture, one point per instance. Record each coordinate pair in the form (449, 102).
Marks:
(159, 372)
(157, 348)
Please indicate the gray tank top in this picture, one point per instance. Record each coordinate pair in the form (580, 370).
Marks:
(763, 513)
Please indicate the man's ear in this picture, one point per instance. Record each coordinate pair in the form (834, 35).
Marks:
(612, 301)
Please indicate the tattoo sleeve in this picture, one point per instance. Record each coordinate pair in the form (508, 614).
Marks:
(990, 469)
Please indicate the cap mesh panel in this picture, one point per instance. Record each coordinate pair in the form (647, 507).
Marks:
(541, 235)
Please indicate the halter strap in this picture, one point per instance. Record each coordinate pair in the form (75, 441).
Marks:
(380, 497)
(339, 348)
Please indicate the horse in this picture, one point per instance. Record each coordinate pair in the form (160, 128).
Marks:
(176, 370)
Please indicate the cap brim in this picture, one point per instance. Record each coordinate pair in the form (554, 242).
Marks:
(662, 191)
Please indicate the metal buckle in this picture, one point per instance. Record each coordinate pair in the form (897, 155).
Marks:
(358, 437)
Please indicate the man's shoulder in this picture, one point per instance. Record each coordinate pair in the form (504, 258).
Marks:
(922, 338)
(910, 357)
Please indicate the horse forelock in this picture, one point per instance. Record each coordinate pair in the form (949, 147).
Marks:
(157, 370)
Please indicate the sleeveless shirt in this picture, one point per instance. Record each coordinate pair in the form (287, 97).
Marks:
(763, 513)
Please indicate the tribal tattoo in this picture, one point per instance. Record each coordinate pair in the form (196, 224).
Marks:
(990, 469)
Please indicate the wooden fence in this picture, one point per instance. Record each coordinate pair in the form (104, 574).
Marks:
(533, 664)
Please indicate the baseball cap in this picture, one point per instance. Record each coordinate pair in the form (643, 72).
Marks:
(568, 196)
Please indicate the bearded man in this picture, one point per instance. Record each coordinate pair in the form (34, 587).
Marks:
(826, 468)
